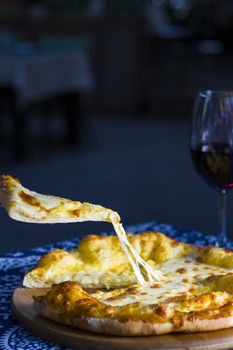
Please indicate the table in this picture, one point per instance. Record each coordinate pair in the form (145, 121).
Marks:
(41, 75)
(14, 265)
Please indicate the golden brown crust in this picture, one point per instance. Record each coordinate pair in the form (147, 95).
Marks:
(216, 256)
(135, 328)
(106, 325)
(68, 303)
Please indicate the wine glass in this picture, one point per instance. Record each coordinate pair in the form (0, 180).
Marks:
(211, 142)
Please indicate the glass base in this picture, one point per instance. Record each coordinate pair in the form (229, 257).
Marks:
(221, 242)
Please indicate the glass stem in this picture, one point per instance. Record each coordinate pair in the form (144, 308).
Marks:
(222, 232)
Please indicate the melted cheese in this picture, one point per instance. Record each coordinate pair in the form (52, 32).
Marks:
(94, 278)
(135, 259)
(181, 276)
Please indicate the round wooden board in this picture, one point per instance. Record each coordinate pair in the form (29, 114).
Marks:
(22, 306)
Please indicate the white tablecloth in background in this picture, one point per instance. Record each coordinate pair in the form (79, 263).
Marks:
(44, 75)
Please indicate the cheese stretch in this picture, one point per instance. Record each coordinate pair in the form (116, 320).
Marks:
(139, 266)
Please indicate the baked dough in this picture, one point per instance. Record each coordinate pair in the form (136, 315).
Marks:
(195, 295)
(68, 304)
(28, 206)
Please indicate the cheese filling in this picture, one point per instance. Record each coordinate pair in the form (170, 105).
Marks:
(180, 277)
(139, 266)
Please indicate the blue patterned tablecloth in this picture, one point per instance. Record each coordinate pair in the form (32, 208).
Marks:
(14, 265)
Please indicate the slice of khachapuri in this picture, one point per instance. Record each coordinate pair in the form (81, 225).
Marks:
(28, 206)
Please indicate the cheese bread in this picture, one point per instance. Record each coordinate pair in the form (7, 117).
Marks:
(28, 206)
(97, 289)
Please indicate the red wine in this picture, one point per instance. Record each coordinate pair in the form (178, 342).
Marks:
(214, 163)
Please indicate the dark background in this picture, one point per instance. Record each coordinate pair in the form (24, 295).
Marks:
(120, 139)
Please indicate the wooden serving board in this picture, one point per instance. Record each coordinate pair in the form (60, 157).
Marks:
(22, 306)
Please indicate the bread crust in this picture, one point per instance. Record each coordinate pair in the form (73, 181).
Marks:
(133, 328)
(69, 304)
